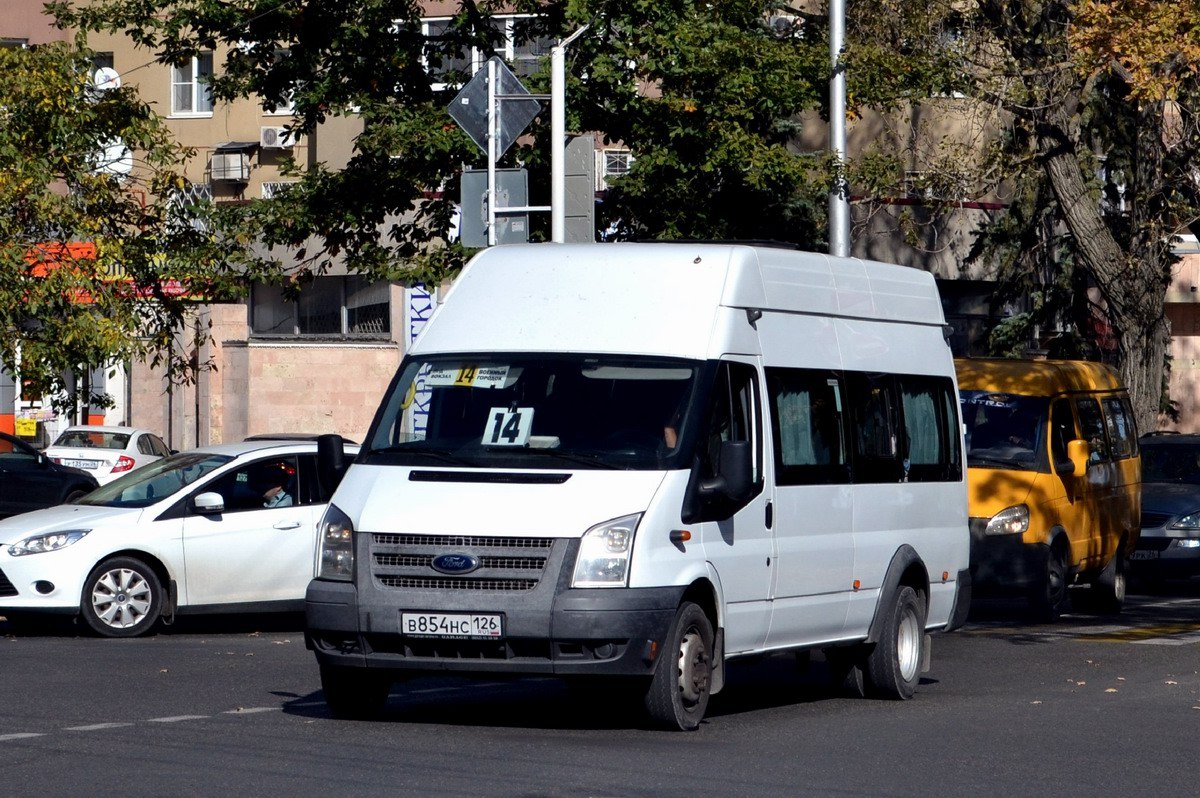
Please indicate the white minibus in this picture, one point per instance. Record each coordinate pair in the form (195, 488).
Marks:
(637, 462)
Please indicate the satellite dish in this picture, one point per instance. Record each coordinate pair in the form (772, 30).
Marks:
(106, 78)
(114, 158)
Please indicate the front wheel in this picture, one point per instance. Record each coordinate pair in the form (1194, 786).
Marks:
(679, 690)
(893, 667)
(122, 597)
(1048, 596)
(354, 693)
(1108, 590)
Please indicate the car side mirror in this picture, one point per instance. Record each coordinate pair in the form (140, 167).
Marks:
(208, 503)
(331, 462)
(735, 479)
(1078, 455)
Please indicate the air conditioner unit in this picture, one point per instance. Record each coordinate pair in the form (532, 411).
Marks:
(275, 138)
(230, 167)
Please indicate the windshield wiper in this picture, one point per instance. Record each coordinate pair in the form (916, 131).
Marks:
(571, 457)
(999, 462)
(442, 455)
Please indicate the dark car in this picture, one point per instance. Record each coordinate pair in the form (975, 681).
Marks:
(29, 480)
(1169, 546)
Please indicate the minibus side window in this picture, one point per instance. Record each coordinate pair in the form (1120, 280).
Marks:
(1062, 430)
(931, 443)
(1091, 425)
(1120, 428)
(808, 425)
(1133, 430)
(874, 404)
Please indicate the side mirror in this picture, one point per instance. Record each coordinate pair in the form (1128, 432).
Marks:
(331, 462)
(1078, 454)
(735, 481)
(208, 503)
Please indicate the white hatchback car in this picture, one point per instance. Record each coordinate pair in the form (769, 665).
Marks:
(106, 452)
(223, 528)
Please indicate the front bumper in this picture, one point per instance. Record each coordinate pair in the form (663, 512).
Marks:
(1165, 555)
(614, 632)
(1004, 564)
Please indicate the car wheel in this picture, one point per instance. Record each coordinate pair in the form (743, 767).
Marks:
(1048, 597)
(74, 496)
(1108, 590)
(122, 597)
(679, 690)
(893, 667)
(354, 693)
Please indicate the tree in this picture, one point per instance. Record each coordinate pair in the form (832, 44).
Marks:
(1098, 140)
(92, 268)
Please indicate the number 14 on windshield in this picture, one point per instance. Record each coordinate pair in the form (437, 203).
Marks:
(508, 426)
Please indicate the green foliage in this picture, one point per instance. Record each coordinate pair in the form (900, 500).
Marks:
(85, 253)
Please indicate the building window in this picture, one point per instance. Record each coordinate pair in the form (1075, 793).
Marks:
(611, 164)
(189, 206)
(274, 188)
(189, 85)
(13, 44)
(329, 307)
(522, 53)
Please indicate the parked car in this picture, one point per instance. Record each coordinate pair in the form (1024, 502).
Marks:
(29, 480)
(1169, 546)
(223, 528)
(106, 452)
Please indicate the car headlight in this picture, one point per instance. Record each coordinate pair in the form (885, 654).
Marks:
(603, 559)
(1190, 522)
(51, 541)
(337, 546)
(1009, 521)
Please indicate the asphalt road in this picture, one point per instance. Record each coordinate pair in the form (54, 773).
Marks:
(232, 706)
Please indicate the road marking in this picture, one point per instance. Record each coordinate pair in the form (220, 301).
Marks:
(19, 736)
(250, 710)
(176, 718)
(97, 727)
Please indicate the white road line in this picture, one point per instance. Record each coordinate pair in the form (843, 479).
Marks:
(19, 736)
(176, 718)
(250, 710)
(1175, 640)
(97, 727)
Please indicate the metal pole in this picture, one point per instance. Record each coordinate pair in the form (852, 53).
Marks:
(492, 121)
(839, 203)
(558, 138)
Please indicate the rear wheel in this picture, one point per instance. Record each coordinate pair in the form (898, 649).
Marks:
(122, 597)
(679, 690)
(893, 667)
(1108, 590)
(354, 693)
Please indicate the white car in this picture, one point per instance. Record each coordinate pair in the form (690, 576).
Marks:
(106, 452)
(223, 528)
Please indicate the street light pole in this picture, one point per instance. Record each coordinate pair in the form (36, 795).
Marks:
(839, 203)
(558, 138)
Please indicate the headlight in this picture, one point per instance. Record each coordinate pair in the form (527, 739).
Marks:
(1191, 521)
(603, 559)
(51, 541)
(337, 546)
(1009, 521)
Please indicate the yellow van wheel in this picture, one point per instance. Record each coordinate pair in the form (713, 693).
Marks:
(1108, 590)
(1048, 596)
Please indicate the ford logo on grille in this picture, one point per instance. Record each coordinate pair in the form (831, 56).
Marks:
(455, 563)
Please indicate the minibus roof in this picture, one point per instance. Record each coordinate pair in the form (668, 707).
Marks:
(1034, 377)
(658, 298)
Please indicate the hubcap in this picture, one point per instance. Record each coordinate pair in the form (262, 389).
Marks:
(121, 598)
(694, 667)
(908, 646)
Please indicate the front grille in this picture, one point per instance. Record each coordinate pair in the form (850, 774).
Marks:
(1154, 544)
(405, 561)
(7, 588)
(1151, 520)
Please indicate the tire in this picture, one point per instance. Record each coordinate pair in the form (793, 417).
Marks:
(893, 666)
(1048, 597)
(74, 495)
(354, 693)
(679, 690)
(1108, 590)
(122, 597)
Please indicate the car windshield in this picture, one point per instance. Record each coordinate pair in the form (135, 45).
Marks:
(92, 439)
(1170, 462)
(537, 411)
(153, 483)
(1003, 430)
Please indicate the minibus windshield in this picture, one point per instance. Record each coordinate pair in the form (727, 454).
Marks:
(1003, 430)
(537, 411)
